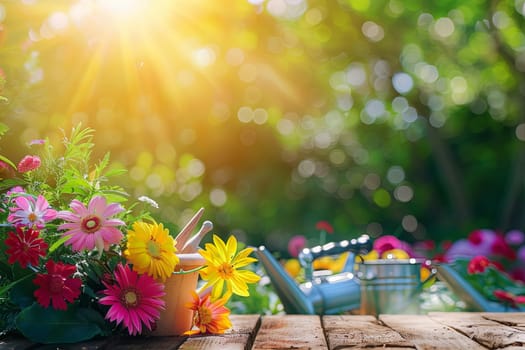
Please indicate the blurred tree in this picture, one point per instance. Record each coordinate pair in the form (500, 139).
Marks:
(382, 116)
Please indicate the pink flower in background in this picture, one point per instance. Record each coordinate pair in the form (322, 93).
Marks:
(521, 254)
(37, 142)
(28, 163)
(134, 299)
(30, 212)
(16, 189)
(92, 226)
(515, 237)
(387, 242)
(296, 244)
(464, 249)
(324, 226)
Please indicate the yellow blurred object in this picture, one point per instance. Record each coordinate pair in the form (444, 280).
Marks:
(329, 263)
(293, 267)
(425, 273)
(322, 263)
(395, 254)
(372, 255)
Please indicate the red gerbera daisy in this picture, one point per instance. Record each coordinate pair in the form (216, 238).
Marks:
(25, 247)
(57, 286)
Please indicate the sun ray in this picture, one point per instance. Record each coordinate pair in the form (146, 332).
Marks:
(86, 81)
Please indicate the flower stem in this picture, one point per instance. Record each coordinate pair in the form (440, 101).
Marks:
(184, 272)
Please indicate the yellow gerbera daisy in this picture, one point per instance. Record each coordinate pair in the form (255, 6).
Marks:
(222, 270)
(151, 250)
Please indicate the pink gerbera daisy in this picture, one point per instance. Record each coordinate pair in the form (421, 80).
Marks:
(30, 212)
(134, 299)
(25, 246)
(57, 286)
(92, 226)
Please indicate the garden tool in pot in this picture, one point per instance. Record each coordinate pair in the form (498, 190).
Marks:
(323, 296)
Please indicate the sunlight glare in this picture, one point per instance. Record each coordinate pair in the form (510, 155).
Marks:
(123, 9)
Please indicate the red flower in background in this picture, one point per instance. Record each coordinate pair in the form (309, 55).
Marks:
(57, 286)
(28, 163)
(324, 226)
(478, 264)
(475, 237)
(25, 247)
(509, 298)
(500, 247)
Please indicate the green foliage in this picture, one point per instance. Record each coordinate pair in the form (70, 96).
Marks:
(262, 300)
(49, 326)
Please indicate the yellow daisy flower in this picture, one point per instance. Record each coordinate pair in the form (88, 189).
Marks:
(151, 250)
(222, 269)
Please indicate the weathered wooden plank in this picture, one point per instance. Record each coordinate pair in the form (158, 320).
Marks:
(290, 332)
(361, 332)
(145, 343)
(487, 332)
(426, 333)
(512, 319)
(18, 343)
(239, 337)
(244, 324)
(223, 342)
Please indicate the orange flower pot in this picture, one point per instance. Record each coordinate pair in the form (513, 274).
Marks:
(177, 318)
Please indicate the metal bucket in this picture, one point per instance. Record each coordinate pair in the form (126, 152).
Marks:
(390, 286)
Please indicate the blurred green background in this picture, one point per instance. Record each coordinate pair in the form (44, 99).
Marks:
(380, 117)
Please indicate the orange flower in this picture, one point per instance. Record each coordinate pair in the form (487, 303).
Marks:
(209, 316)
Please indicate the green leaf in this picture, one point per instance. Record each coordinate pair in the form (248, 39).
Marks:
(116, 172)
(6, 160)
(58, 243)
(6, 184)
(22, 293)
(58, 326)
(3, 129)
(6, 288)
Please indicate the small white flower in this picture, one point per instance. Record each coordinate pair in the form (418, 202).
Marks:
(148, 200)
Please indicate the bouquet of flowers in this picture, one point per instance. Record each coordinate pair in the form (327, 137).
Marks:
(72, 253)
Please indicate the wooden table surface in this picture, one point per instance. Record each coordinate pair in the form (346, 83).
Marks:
(438, 330)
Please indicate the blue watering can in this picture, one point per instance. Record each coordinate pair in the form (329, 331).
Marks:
(326, 295)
